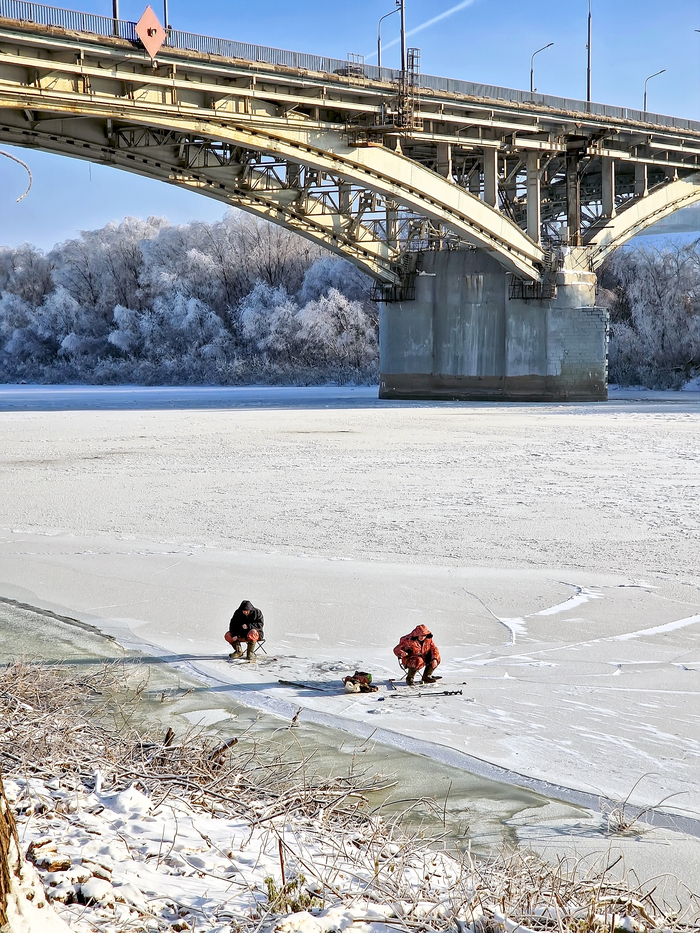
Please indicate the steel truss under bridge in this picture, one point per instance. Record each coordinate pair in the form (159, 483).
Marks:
(373, 164)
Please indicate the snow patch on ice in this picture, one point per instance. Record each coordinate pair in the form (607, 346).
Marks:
(658, 629)
(515, 626)
(581, 596)
(207, 717)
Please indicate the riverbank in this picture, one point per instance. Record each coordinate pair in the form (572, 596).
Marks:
(131, 830)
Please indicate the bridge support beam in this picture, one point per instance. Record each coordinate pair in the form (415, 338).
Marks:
(573, 197)
(444, 160)
(491, 177)
(534, 199)
(607, 167)
(641, 180)
(464, 337)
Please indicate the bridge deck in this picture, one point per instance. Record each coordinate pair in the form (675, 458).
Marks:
(552, 107)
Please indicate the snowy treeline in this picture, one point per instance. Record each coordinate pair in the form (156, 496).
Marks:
(653, 295)
(145, 302)
(245, 301)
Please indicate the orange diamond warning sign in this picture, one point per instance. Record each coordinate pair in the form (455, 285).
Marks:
(150, 32)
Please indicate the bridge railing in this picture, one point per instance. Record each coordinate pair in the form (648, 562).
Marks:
(228, 48)
(43, 15)
(67, 19)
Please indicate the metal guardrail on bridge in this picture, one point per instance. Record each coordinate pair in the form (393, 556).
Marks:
(228, 48)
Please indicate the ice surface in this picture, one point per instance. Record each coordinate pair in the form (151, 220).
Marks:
(352, 520)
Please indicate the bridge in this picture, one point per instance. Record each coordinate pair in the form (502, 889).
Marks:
(481, 213)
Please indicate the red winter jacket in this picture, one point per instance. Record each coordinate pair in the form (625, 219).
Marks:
(417, 649)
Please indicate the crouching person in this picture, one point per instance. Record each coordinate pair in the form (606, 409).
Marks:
(417, 651)
(245, 627)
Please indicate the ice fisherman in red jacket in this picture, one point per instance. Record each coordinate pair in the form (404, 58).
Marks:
(417, 651)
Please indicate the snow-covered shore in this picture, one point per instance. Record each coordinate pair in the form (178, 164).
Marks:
(552, 549)
(134, 831)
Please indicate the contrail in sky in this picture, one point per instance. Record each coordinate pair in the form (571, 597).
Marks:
(429, 22)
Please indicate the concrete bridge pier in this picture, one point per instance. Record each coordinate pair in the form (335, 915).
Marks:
(465, 337)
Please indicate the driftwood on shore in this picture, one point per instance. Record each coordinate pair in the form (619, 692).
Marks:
(8, 839)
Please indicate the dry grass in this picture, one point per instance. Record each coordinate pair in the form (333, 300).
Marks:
(55, 724)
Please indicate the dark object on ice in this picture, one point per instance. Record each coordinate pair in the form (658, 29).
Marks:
(416, 651)
(433, 693)
(359, 682)
(392, 684)
(246, 625)
(304, 685)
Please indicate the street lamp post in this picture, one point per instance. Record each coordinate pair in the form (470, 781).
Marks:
(532, 65)
(645, 86)
(697, 30)
(402, 7)
(588, 47)
(379, 36)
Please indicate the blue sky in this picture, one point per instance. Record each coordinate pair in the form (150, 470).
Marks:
(489, 41)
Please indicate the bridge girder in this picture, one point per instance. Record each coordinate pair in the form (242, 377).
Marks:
(638, 214)
(418, 192)
(343, 233)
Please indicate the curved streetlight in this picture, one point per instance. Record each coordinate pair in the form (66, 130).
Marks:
(532, 65)
(379, 35)
(645, 86)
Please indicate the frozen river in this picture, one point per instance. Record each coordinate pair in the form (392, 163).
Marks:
(552, 549)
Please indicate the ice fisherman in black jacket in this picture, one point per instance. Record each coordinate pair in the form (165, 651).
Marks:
(246, 625)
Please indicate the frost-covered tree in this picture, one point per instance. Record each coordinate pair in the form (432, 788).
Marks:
(26, 271)
(178, 328)
(330, 273)
(270, 325)
(338, 332)
(102, 268)
(59, 327)
(144, 301)
(220, 263)
(654, 300)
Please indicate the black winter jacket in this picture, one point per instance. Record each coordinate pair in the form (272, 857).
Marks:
(254, 619)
